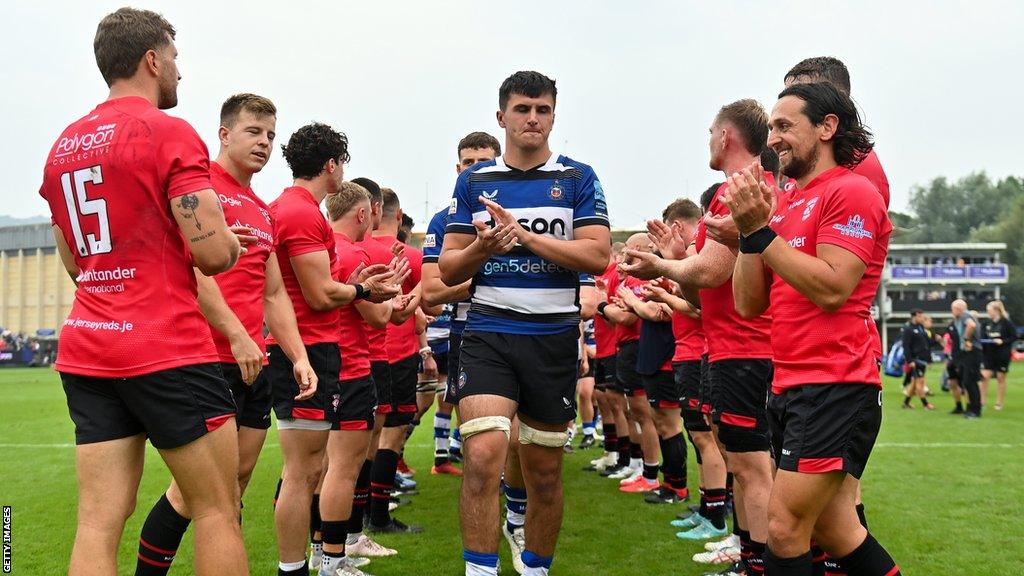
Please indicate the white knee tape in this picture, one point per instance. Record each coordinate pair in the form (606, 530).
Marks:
(546, 438)
(485, 424)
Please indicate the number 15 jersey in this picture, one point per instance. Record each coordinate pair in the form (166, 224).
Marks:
(110, 180)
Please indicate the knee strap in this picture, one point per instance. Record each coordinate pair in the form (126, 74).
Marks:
(546, 438)
(485, 424)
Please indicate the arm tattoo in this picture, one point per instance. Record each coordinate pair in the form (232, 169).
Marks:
(202, 236)
(191, 202)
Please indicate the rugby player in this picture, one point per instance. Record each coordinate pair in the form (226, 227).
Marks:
(473, 148)
(916, 355)
(136, 357)
(999, 335)
(403, 346)
(518, 350)
(815, 263)
(739, 349)
(316, 154)
(236, 303)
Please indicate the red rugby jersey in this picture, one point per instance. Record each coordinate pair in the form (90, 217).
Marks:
(355, 346)
(110, 179)
(604, 333)
(728, 335)
(242, 286)
(812, 346)
(871, 169)
(379, 254)
(624, 333)
(301, 228)
(401, 341)
(689, 334)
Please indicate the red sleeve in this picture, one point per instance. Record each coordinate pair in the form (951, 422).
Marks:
(300, 231)
(415, 266)
(853, 217)
(182, 160)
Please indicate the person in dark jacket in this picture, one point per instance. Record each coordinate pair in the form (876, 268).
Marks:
(916, 354)
(997, 336)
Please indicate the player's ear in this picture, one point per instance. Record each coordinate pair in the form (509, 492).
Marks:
(222, 134)
(501, 118)
(151, 62)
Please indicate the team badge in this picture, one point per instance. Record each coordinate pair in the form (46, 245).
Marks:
(810, 208)
(854, 228)
(454, 206)
(462, 380)
(430, 241)
(335, 401)
(555, 192)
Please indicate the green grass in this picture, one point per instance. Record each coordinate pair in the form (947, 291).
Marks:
(943, 494)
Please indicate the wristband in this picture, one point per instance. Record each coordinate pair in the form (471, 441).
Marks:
(361, 292)
(600, 308)
(426, 351)
(758, 241)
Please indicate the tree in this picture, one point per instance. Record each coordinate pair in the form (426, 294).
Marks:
(948, 212)
(1010, 230)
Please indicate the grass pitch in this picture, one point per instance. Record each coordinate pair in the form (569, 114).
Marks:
(944, 495)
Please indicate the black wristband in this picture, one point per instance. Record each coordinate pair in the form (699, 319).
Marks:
(757, 242)
(361, 292)
(600, 308)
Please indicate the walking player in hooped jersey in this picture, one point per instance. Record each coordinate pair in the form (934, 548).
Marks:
(519, 349)
(815, 264)
(132, 213)
(235, 303)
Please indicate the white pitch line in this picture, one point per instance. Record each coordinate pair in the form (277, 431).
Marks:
(945, 445)
(66, 445)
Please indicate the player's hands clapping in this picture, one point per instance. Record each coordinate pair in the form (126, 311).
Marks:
(749, 199)
(505, 234)
(722, 229)
(305, 377)
(642, 265)
(668, 240)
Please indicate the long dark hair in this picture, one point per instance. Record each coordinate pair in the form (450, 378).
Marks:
(852, 140)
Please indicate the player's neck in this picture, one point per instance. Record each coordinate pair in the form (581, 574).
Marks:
(315, 187)
(521, 159)
(240, 174)
(736, 163)
(826, 161)
(386, 230)
(348, 228)
(129, 87)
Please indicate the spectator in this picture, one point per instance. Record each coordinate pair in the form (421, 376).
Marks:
(967, 331)
(998, 335)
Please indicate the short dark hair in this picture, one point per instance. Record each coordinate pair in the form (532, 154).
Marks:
(339, 204)
(852, 140)
(476, 140)
(681, 209)
(389, 202)
(407, 221)
(311, 146)
(708, 195)
(233, 106)
(822, 69)
(372, 187)
(770, 162)
(526, 83)
(916, 312)
(123, 38)
(750, 119)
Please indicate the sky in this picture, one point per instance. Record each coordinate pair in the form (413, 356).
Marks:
(938, 83)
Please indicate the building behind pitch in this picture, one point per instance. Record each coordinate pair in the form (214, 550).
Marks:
(35, 290)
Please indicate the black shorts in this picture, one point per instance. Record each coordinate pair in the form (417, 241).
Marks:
(252, 403)
(403, 391)
(739, 389)
(381, 372)
(626, 376)
(953, 370)
(705, 385)
(917, 369)
(996, 360)
(325, 358)
(537, 371)
(356, 404)
(591, 368)
(454, 343)
(172, 407)
(662, 390)
(687, 376)
(820, 428)
(604, 373)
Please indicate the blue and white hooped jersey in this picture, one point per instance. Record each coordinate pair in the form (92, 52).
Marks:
(520, 292)
(433, 242)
